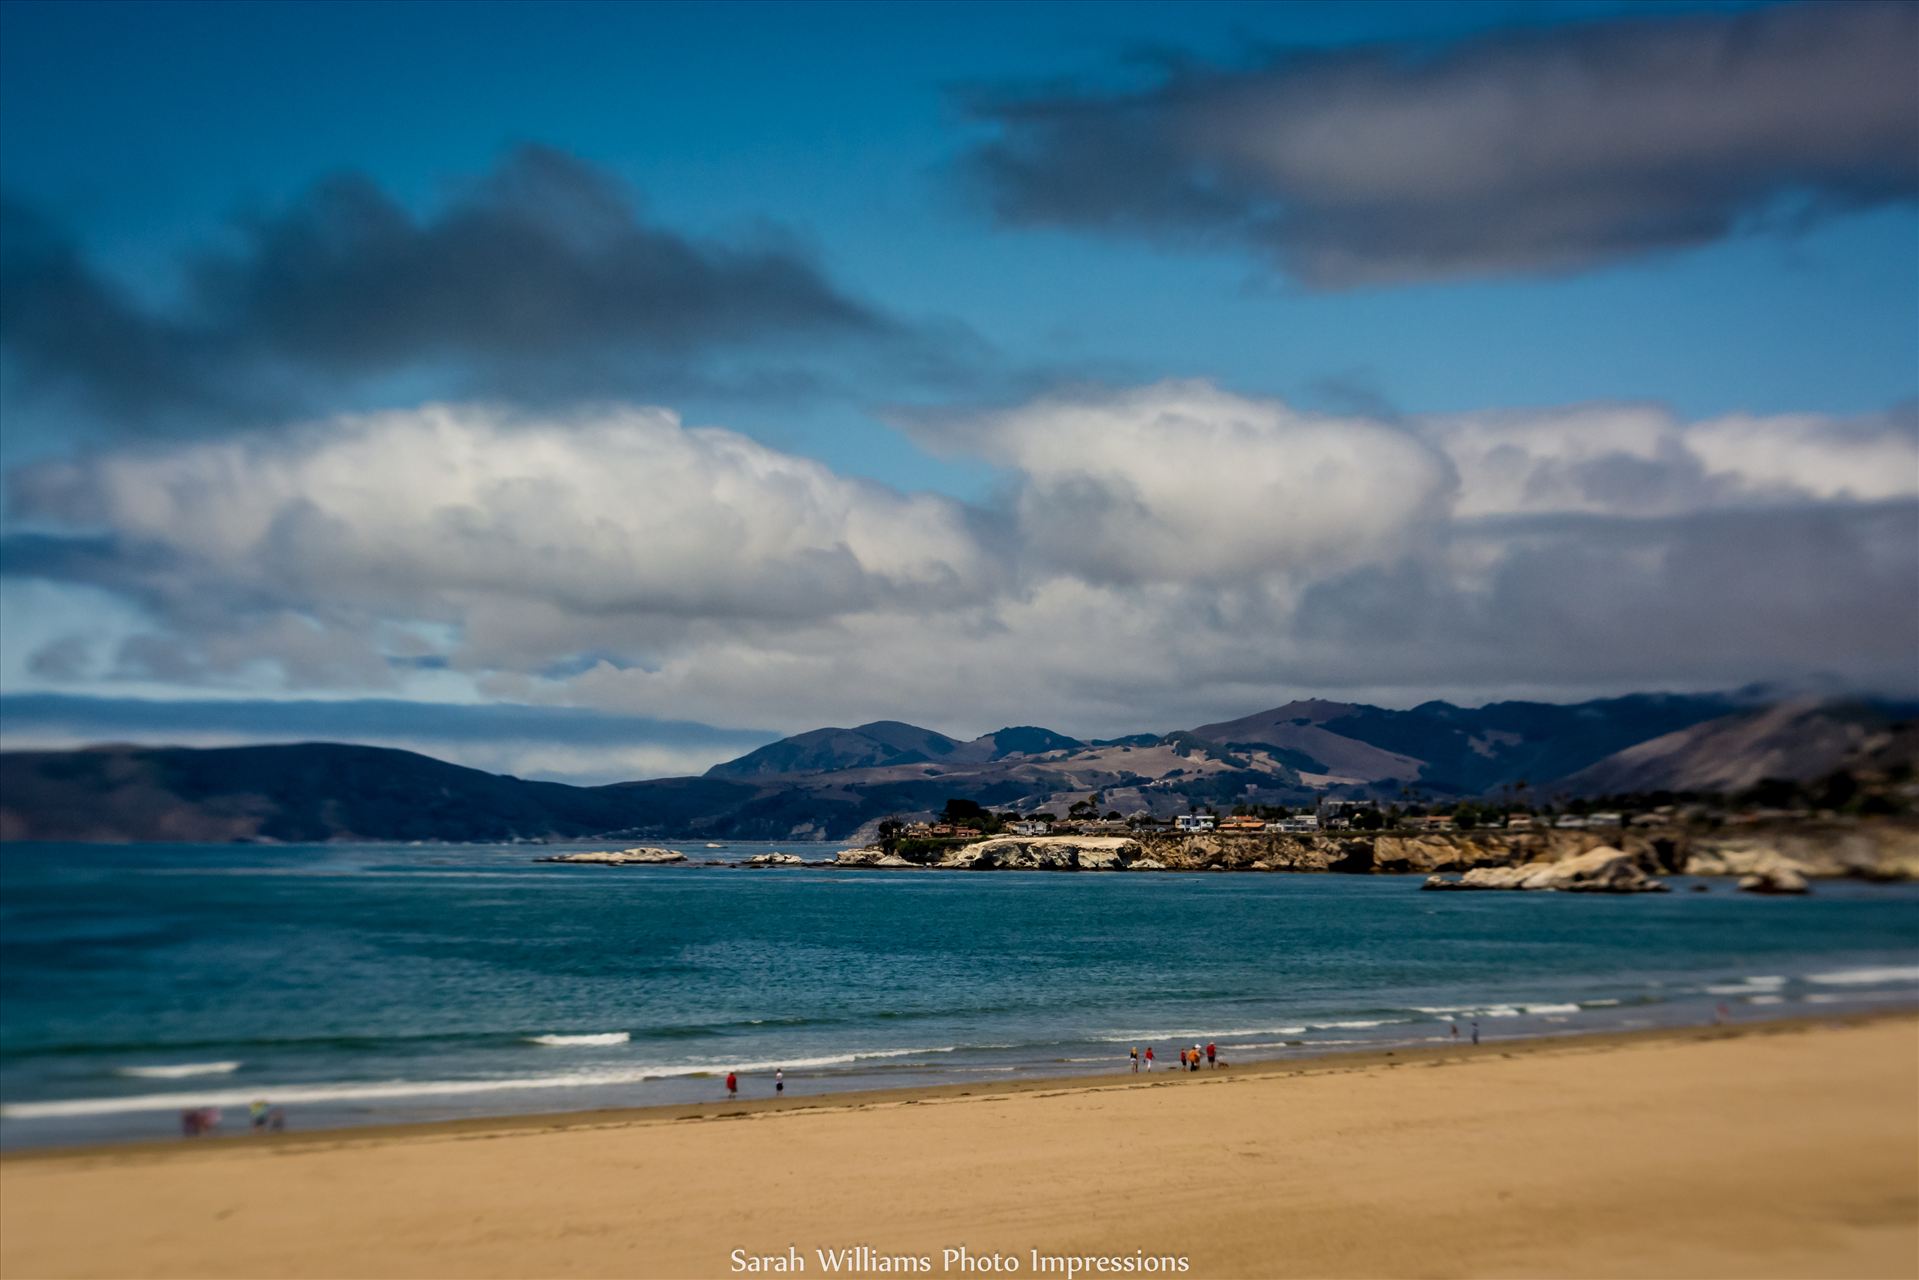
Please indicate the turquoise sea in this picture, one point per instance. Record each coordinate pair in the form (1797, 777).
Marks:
(352, 984)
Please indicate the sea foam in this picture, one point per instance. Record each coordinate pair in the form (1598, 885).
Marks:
(362, 1091)
(601, 1037)
(1867, 977)
(180, 1070)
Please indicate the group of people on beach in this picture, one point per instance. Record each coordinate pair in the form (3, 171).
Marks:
(779, 1083)
(261, 1118)
(1189, 1059)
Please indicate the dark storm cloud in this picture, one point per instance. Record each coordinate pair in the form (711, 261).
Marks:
(541, 281)
(1541, 151)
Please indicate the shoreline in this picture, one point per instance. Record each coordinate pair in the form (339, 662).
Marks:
(517, 1123)
(1785, 1148)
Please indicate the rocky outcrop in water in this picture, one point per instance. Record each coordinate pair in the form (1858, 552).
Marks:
(1602, 870)
(870, 857)
(776, 860)
(618, 857)
(1775, 875)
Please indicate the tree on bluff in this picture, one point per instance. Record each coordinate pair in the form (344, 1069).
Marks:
(960, 812)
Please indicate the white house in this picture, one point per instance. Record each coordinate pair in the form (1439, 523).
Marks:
(1194, 822)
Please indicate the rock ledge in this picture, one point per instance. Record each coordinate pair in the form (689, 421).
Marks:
(618, 857)
(1601, 870)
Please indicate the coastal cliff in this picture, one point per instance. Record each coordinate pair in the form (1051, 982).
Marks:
(1877, 850)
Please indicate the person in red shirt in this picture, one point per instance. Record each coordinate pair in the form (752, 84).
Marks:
(1149, 1057)
(1212, 1054)
(732, 1085)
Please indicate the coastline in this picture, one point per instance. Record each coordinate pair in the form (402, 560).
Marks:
(1299, 1163)
(510, 1123)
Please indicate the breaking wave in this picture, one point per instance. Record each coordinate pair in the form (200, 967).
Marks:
(601, 1037)
(179, 1070)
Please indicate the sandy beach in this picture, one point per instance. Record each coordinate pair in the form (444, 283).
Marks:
(1781, 1149)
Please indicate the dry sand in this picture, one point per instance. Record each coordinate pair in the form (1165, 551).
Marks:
(1784, 1149)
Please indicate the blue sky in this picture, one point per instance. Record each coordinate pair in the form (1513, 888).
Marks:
(846, 138)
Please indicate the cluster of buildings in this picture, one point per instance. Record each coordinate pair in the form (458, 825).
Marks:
(1333, 815)
(926, 830)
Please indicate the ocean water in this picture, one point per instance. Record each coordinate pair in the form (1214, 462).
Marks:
(368, 984)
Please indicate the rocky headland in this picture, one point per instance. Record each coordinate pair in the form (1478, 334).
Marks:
(1887, 850)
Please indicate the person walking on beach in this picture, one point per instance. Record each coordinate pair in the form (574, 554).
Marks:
(257, 1114)
(779, 1080)
(1149, 1057)
(1133, 1053)
(1455, 1031)
(1475, 1030)
(732, 1085)
(1212, 1055)
(1195, 1058)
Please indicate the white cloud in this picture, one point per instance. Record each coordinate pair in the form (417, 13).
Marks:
(1640, 459)
(1184, 482)
(467, 515)
(1158, 557)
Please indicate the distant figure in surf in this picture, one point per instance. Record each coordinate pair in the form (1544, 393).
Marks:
(1475, 1030)
(732, 1085)
(257, 1115)
(1149, 1057)
(277, 1120)
(1133, 1053)
(1455, 1031)
(779, 1080)
(1212, 1055)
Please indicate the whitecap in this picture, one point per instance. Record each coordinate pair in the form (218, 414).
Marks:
(179, 1070)
(1867, 977)
(600, 1037)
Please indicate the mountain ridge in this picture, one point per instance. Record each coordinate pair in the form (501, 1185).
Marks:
(827, 783)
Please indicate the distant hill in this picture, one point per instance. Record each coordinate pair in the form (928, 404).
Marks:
(1449, 750)
(1796, 741)
(828, 783)
(1021, 740)
(301, 792)
(883, 742)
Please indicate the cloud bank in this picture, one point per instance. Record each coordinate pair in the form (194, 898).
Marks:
(1537, 151)
(1156, 554)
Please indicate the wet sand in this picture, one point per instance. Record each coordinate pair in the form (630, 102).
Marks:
(1785, 1148)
